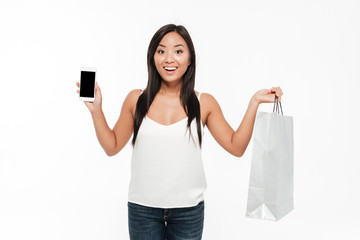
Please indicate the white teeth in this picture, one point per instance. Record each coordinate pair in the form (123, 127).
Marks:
(170, 68)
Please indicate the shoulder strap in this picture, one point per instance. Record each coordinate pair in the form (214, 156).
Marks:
(199, 96)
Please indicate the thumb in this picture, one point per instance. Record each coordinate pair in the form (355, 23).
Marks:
(97, 88)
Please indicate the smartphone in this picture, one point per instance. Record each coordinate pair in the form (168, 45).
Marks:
(87, 84)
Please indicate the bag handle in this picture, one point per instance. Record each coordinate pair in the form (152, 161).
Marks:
(276, 106)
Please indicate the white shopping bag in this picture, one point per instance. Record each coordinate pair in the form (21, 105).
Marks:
(270, 195)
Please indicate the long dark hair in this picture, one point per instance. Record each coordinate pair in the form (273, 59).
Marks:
(188, 97)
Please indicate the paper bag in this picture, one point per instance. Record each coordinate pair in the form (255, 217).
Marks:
(270, 195)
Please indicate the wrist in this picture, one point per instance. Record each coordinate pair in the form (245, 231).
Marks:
(254, 100)
(96, 112)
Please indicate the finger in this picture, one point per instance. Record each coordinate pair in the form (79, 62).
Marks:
(78, 84)
(280, 92)
(276, 93)
(272, 97)
(97, 88)
(273, 90)
(78, 91)
(277, 90)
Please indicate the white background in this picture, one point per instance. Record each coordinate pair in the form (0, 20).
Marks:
(56, 182)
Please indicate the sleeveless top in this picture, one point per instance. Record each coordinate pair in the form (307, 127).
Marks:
(166, 165)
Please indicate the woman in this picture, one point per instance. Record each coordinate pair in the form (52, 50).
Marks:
(167, 178)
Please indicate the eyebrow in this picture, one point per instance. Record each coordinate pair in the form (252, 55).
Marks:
(178, 45)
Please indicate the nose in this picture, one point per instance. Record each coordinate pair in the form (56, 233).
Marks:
(169, 58)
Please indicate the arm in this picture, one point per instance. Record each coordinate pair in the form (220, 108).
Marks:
(241, 138)
(236, 142)
(112, 141)
(104, 134)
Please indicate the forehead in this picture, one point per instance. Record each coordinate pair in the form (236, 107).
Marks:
(172, 39)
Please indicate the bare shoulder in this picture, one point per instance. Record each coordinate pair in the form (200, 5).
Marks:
(208, 101)
(131, 100)
(134, 94)
(208, 105)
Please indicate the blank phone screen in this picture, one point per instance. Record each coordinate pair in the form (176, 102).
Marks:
(87, 84)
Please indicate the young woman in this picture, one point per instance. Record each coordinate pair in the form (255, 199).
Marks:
(167, 121)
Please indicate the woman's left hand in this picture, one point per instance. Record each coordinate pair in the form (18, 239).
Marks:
(268, 95)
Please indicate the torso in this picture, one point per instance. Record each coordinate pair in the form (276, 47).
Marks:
(166, 110)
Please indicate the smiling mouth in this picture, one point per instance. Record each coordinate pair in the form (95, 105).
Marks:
(170, 69)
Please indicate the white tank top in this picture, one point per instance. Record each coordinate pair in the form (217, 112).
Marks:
(166, 165)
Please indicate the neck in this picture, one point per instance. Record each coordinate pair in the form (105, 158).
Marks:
(170, 88)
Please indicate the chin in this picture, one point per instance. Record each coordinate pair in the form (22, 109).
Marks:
(167, 79)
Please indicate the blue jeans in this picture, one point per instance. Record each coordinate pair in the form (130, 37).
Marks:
(148, 223)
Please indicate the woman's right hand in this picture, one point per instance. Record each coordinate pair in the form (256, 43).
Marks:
(96, 105)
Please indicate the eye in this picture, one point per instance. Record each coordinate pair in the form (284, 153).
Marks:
(179, 51)
(161, 51)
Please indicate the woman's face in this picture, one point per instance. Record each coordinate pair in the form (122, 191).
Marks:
(172, 57)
